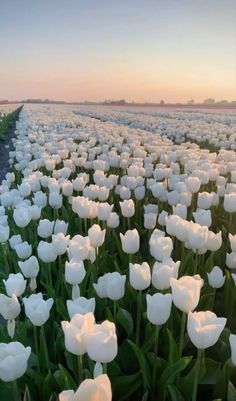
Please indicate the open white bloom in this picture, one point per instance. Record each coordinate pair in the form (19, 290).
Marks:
(23, 250)
(75, 332)
(80, 305)
(15, 284)
(204, 328)
(29, 267)
(101, 342)
(98, 389)
(186, 292)
(160, 247)
(37, 309)
(162, 273)
(79, 247)
(111, 285)
(13, 360)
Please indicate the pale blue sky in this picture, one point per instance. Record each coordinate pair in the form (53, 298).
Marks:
(138, 50)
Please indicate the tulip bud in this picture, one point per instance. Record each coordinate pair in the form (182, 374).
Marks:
(130, 241)
(216, 278)
(139, 275)
(232, 341)
(74, 271)
(158, 308)
(96, 235)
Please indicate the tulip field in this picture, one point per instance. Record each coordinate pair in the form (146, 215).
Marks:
(118, 256)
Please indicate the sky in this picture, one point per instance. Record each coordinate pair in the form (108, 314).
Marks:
(138, 50)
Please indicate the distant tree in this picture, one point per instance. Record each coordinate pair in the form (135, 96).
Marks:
(162, 102)
(190, 101)
(209, 101)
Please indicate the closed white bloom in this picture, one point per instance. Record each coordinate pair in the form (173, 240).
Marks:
(104, 210)
(80, 305)
(230, 202)
(231, 260)
(186, 292)
(55, 200)
(46, 252)
(4, 233)
(79, 247)
(150, 220)
(22, 216)
(15, 284)
(232, 239)
(203, 217)
(24, 189)
(45, 228)
(74, 271)
(96, 235)
(23, 250)
(60, 243)
(29, 267)
(101, 342)
(214, 241)
(111, 285)
(204, 328)
(60, 227)
(14, 240)
(13, 360)
(193, 184)
(180, 210)
(216, 278)
(158, 308)
(40, 199)
(36, 212)
(139, 275)
(113, 220)
(139, 192)
(127, 208)
(162, 273)
(37, 309)
(9, 306)
(76, 331)
(130, 241)
(204, 200)
(232, 341)
(162, 218)
(98, 389)
(161, 247)
(197, 235)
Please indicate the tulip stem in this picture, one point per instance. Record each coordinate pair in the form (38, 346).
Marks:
(182, 331)
(4, 248)
(114, 310)
(36, 343)
(104, 368)
(154, 373)
(138, 322)
(196, 263)
(15, 391)
(80, 368)
(196, 375)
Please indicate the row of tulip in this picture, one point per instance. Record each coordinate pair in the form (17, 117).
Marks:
(118, 264)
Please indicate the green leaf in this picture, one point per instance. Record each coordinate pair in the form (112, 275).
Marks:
(142, 363)
(175, 393)
(170, 373)
(231, 394)
(145, 396)
(125, 386)
(173, 349)
(50, 386)
(125, 319)
(61, 309)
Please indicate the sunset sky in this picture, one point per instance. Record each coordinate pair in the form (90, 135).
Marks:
(141, 50)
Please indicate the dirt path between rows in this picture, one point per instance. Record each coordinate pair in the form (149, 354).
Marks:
(6, 146)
